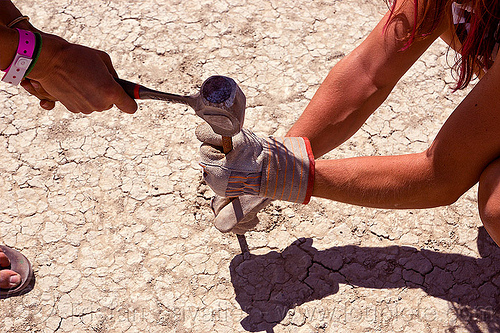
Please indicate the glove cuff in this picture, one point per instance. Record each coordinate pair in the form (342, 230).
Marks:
(310, 179)
(289, 172)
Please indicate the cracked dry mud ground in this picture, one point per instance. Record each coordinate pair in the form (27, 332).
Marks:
(111, 210)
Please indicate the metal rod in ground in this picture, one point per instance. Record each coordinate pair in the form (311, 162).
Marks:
(244, 246)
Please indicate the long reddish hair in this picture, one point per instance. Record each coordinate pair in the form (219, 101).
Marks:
(477, 47)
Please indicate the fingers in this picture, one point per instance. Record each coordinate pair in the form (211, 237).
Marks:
(47, 102)
(237, 215)
(107, 61)
(36, 89)
(211, 153)
(103, 97)
(218, 203)
(115, 94)
(47, 105)
(246, 225)
(123, 101)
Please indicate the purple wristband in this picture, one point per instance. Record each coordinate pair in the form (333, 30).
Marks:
(23, 58)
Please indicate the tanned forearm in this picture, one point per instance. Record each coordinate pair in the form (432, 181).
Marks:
(404, 181)
(343, 102)
(8, 12)
(360, 82)
(9, 37)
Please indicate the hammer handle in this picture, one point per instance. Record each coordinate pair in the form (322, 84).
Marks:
(132, 89)
(137, 91)
(227, 144)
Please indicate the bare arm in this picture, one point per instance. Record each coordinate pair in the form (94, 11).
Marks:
(358, 84)
(8, 13)
(466, 144)
(354, 88)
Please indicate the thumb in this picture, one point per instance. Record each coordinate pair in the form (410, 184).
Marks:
(225, 218)
(123, 101)
(206, 134)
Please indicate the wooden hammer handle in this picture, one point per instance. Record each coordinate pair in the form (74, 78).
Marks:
(227, 144)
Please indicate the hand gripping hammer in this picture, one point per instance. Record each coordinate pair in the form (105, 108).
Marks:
(220, 102)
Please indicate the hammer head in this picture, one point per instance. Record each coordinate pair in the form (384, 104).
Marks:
(222, 105)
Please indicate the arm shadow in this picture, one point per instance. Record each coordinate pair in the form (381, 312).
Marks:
(268, 286)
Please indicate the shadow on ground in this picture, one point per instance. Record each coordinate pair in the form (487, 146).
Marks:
(268, 286)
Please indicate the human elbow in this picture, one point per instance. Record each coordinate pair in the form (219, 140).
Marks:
(446, 184)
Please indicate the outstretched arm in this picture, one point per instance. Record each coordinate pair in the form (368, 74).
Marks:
(467, 143)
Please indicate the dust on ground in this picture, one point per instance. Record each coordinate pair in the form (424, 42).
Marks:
(112, 212)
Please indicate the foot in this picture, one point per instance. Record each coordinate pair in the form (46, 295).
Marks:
(8, 278)
(16, 275)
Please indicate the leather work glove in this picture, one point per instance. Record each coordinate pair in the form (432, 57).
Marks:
(237, 215)
(276, 168)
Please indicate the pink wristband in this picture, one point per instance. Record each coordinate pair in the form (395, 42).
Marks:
(23, 58)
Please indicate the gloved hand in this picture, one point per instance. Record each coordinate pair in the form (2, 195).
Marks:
(238, 215)
(276, 168)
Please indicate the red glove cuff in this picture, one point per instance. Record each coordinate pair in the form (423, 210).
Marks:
(310, 179)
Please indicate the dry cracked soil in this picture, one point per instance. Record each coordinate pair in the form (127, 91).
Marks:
(112, 212)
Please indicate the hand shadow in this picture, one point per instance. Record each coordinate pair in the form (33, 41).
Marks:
(267, 286)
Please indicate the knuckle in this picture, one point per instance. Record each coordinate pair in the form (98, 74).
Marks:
(104, 55)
